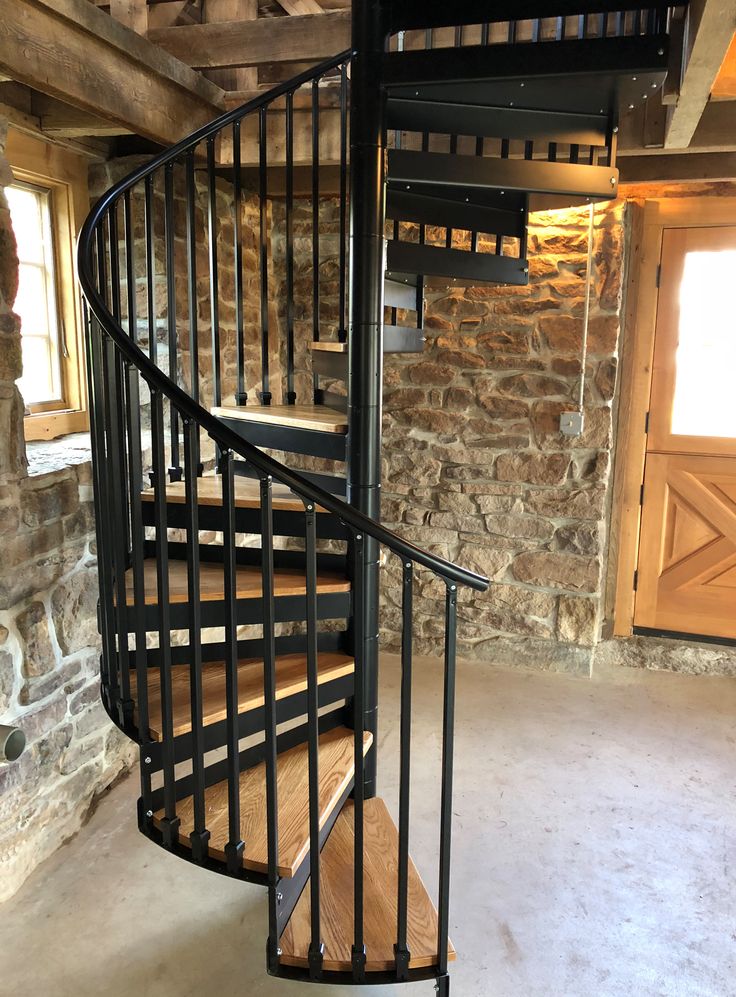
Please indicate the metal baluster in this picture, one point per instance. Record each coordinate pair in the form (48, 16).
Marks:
(358, 955)
(193, 297)
(316, 948)
(559, 29)
(214, 276)
(150, 271)
(453, 138)
(402, 952)
(235, 846)
(175, 466)
(448, 734)
(269, 695)
(505, 149)
(290, 392)
(315, 227)
(480, 141)
(637, 22)
(620, 24)
(170, 822)
(536, 29)
(241, 395)
(581, 26)
(265, 393)
(602, 25)
(342, 333)
(199, 836)
(512, 32)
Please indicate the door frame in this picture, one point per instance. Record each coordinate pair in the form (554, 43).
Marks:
(649, 220)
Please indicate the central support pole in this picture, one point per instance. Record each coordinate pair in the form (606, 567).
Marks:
(367, 217)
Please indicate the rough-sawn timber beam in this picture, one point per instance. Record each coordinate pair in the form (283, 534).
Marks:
(309, 38)
(710, 27)
(71, 50)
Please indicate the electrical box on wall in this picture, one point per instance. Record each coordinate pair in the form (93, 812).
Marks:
(571, 423)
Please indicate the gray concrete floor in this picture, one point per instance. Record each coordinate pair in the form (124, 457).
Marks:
(595, 840)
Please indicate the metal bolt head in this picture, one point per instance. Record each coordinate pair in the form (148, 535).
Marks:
(279, 951)
(147, 760)
(359, 536)
(279, 897)
(613, 181)
(149, 813)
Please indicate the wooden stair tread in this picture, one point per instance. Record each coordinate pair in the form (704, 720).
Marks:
(291, 678)
(380, 901)
(287, 581)
(321, 418)
(247, 494)
(336, 770)
(323, 346)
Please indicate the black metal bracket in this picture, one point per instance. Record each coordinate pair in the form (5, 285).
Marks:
(403, 957)
(316, 959)
(358, 961)
(234, 851)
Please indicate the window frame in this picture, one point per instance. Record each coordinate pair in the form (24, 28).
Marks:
(64, 175)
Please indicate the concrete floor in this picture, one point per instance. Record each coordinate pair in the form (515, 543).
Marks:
(595, 838)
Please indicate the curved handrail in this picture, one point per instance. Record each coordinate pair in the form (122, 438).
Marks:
(226, 438)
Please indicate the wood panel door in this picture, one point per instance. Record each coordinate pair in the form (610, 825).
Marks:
(686, 575)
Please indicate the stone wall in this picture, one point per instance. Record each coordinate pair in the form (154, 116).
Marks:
(49, 646)
(475, 466)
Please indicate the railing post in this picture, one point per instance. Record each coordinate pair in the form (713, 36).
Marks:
(367, 211)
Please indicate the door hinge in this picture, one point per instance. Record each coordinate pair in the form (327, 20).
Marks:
(659, 274)
(636, 580)
(646, 422)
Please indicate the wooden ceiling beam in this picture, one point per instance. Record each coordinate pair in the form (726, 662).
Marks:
(300, 7)
(709, 28)
(132, 13)
(103, 68)
(309, 38)
(678, 167)
(232, 10)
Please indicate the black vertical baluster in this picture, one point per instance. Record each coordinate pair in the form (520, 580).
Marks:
(637, 22)
(620, 23)
(574, 153)
(395, 236)
(175, 466)
(652, 17)
(512, 32)
(552, 152)
(448, 735)
(193, 297)
(150, 271)
(315, 226)
(269, 695)
(316, 948)
(241, 395)
(453, 138)
(199, 836)
(170, 823)
(290, 392)
(265, 394)
(403, 955)
(524, 240)
(235, 846)
(529, 149)
(479, 141)
(581, 25)
(214, 275)
(559, 29)
(115, 419)
(342, 326)
(358, 950)
(602, 25)
(505, 149)
(536, 28)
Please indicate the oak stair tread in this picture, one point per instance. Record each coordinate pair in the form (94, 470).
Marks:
(291, 679)
(248, 583)
(336, 770)
(247, 494)
(381, 851)
(321, 418)
(324, 346)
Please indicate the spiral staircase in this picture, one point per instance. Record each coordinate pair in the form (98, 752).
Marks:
(223, 570)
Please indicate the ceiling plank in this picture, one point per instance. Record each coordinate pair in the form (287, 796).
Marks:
(103, 68)
(308, 38)
(132, 13)
(710, 27)
(297, 7)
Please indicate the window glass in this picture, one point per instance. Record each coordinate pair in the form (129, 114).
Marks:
(705, 366)
(36, 303)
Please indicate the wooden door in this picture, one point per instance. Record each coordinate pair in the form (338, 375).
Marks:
(686, 576)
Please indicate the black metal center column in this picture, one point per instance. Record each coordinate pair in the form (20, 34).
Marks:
(367, 215)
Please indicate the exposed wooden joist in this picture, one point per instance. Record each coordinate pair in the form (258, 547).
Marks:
(710, 27)
(59, 120)
(249, 43)
(716, 132)
(103, 68)
(132, 13)
(298, 7)
(232, 10)
(683, 167)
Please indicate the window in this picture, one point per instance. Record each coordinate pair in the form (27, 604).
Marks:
(48, 201)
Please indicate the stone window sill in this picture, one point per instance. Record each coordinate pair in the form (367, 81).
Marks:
(47, 456)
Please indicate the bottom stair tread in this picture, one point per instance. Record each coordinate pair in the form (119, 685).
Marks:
(380, 901)
(336, 770)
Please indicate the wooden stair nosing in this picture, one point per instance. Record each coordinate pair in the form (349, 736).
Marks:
(291, 679)
(287, 582)
(316, 418)
(380, 901)
(336, 769)
(247, 494)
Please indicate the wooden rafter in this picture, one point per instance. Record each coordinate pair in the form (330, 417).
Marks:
(710, 27)
(298, 7)
(132, 13)
(251, 43)
(217, 11)
(103, 68)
